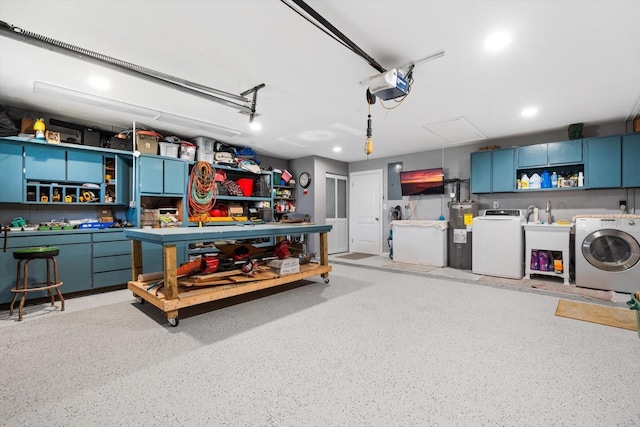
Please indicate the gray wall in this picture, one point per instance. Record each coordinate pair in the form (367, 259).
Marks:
(456, 164)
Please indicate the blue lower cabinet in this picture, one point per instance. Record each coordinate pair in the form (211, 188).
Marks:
(74, 263)
(111, 259)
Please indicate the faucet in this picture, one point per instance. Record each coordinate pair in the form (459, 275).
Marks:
(548, 211)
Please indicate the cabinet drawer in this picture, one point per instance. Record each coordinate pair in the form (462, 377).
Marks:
(110, 263)
(111, 278)
(122, 247)
(52, 240)
(109, 236)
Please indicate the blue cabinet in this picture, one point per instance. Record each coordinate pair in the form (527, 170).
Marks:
(564, 152)
(552, 153)
(503, 173)
(74, 266)
(45, 163)
(111, 259)
(84, 166)
(631, 160)
(493, 171)
(481, 172)
(10, 173)
(603, 168)
(160, 176)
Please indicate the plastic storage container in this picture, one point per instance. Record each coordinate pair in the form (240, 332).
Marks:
(168, 149)
(187, 151)
(204, 143)
(205, 156)
(246, 184)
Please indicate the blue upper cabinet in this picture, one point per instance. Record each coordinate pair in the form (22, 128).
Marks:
(564, 152)
(11, 173)
(481, 162)
(45, 163)
(175, 177)
(503, 171)
(84, 166)
(603, 168)
(162, 176)
(552, 153)
(532, 155)
(631, 160)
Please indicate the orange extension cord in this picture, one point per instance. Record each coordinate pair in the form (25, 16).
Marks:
(202, 189)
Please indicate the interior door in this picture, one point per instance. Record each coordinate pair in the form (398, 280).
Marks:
(365, 212)
(336, 213)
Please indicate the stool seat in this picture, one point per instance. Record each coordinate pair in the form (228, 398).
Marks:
(24, 256)
(36, 252)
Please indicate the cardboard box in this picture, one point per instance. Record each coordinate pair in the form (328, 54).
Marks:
(285, 266)
(105, 214)
(147, 144)
(283, 271)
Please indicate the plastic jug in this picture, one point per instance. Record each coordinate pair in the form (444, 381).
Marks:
(524, 181)
(535, 181)
(545, 180)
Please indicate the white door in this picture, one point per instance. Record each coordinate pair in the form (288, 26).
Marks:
(365, 212)
(336, 213)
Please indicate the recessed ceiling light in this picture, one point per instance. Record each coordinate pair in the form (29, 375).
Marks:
(255, 126)
(99, 82)
(529, 112)
(337, 149)
(497, 41)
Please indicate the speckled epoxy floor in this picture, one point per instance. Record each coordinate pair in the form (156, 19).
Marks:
(372, 347)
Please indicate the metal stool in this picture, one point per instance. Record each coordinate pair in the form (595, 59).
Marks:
(23, 286)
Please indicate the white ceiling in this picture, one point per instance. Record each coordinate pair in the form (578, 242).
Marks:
(576, 61)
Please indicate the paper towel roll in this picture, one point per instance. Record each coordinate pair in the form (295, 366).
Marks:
(536, 216)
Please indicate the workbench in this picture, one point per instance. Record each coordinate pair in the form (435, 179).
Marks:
(170, 299)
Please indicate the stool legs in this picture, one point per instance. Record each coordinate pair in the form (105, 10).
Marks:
(22, 284)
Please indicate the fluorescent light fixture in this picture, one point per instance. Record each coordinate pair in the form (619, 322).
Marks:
(197, 124)
(255, 126)
(529, 112)
(497, 41)
(58, 92)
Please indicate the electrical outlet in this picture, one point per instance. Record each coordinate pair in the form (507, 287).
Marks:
(496, 204)
(622, 205)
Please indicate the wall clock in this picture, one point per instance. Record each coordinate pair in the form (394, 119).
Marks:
(305, 179)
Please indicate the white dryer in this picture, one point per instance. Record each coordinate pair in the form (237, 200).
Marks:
(608, 253)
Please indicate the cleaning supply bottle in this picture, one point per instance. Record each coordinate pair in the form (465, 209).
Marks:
(554, 180)
(580, 179)
(524, 181)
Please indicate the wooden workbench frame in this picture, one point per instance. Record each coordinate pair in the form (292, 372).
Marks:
(170, 299)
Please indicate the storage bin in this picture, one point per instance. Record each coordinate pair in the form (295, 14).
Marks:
(205, 155)
(246, 184)
(168, 149)
(204, 143)
(277, 176)
(286, 176)
(187, 151)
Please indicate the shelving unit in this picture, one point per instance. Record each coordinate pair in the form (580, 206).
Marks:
(284, 200)
(550, 238)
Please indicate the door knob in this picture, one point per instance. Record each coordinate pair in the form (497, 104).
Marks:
(376, 218)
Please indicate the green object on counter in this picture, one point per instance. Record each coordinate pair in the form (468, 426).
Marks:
(18, 222)
(634, 304)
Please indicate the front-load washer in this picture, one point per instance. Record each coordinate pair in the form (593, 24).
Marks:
(607, 252)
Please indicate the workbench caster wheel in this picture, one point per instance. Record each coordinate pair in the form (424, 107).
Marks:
(139, 300)
(174, 321)
(326, 280)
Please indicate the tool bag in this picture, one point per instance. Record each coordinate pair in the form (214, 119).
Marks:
(233, 188)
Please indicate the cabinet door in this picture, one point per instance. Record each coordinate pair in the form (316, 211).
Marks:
(503, 176)
(45, 163)
(151, 175)
(481, 172)
(123, 179)
(175, 175)
(74, 267)
(84, 166)
(604, 167)
(532, 155)
(10, 173)
(564, 152)
(630, 158)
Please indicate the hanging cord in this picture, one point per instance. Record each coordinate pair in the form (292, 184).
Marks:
(202, 188)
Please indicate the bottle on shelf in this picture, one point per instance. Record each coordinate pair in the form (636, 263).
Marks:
(554, 180)
(580, 179)
(524, 181)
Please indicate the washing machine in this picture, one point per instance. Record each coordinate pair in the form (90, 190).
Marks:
(607, 252)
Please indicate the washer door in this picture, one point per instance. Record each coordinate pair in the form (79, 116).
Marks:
(611, 250)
